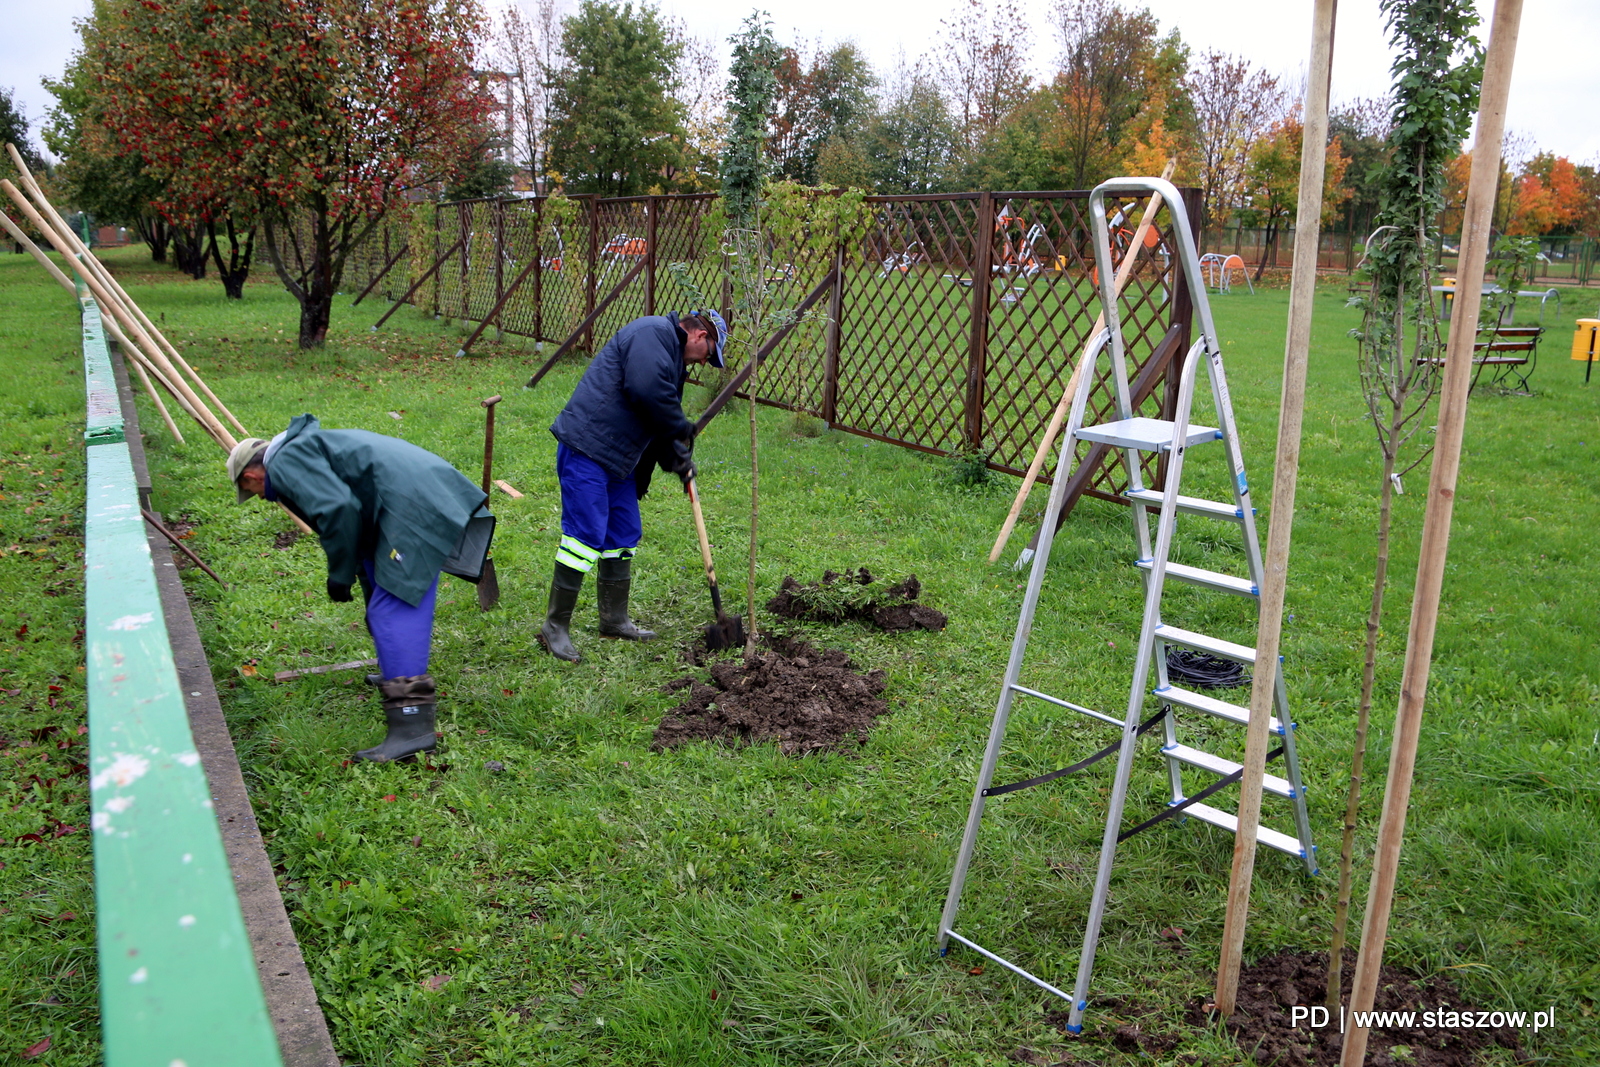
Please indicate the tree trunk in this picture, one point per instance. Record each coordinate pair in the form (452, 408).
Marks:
(237, 268)
(189, 250)
(1269, 250)
(154, 231)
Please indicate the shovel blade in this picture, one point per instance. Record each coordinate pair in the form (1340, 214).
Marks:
(726, 632)
(488, 587)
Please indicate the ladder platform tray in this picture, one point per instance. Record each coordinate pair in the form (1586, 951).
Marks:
(1149, 435)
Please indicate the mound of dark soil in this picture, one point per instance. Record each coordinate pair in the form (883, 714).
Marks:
(1270, 987)
(841, 597)
(791, 694)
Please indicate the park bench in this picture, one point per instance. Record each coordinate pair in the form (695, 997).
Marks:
(1512, 352)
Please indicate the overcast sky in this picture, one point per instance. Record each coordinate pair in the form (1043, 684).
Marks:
(1555, 90)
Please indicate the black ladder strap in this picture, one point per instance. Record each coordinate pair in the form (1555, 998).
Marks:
(1144, 728)
(1220, 783)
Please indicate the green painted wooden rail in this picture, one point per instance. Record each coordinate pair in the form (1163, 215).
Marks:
(178, 983)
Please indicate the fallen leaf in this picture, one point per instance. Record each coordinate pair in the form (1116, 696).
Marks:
(976, 970)
(390, 799)
(714, 994)
(22, 631)
(416, 842)
(437, 982)
(797, 897)
(36, 1050)
(248, 669)
(507, 692)
(578, 989)
(1173, 933)
(55, 689)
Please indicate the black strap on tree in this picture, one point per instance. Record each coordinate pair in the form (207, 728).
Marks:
(1221, 783)
(1144, 728)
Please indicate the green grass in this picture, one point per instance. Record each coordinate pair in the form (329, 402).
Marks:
(588, 902)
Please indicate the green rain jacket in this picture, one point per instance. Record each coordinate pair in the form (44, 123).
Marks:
(373, 497)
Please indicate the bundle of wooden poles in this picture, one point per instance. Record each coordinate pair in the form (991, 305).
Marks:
(150, 354)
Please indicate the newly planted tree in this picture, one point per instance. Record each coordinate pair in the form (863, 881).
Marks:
(1436, 76)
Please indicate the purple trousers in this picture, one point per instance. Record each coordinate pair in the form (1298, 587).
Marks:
(402, 634)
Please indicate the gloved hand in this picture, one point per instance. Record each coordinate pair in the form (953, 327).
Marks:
(338, 593)
(682, 460)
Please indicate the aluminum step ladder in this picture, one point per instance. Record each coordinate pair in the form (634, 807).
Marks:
(1134, 435)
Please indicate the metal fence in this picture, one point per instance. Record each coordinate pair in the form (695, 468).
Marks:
(952, 327)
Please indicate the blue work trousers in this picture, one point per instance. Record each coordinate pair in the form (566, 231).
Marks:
(402, 634)
(599, 513)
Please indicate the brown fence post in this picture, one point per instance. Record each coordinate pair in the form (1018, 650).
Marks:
(464, 228)
(830, 358)
(652, 204)
(590, 277)
(437, 256)
(499, 262)
(982, 252)
(538, 271)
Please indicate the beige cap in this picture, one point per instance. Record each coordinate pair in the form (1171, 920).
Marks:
(243, 454)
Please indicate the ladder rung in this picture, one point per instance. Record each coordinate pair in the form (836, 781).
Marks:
(1195, 757)
(1214, 645)
(1192, 505)
(1226, 583)
(1058, 702)
(1264, 834)
(1212, 706)
(1150, 435)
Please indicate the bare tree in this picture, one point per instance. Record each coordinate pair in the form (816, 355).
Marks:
(701, 89)
(1234, 105)
(527, 46)
(983, 68)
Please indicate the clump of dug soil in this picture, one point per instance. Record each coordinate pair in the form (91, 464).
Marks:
(842, 597)
(1271, 986)
(800, 698)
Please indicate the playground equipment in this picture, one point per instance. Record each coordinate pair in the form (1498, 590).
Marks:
(1021, 254)
(1171, 439)
(1586, 345)
(1219, 270)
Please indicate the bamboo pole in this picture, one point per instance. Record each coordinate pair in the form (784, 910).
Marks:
(114, 286)
(1275, 569)
(66, 283)
(130, 325)
(1435, 545)
(1124, 271)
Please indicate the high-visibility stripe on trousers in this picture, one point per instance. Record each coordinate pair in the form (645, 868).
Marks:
(599, 514)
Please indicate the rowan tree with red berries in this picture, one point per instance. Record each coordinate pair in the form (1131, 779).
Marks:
(312, 117)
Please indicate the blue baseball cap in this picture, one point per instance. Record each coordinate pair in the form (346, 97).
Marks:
(718, 353)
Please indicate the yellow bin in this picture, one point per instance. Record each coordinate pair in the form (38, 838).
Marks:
(1586, 340)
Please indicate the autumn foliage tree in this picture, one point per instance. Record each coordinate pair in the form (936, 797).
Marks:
(313, 116)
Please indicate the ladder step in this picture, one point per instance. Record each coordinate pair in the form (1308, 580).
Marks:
(1265, 835)
(1226, 583)
(1150, 435)
(1191, 505)
(1212, 706)
(1195, 757)
(1200, 642)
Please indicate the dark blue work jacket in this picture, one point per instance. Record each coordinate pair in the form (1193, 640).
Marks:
(631, 396)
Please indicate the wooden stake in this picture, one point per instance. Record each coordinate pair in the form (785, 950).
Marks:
(1275, 570)
(21, 238)
(109, 302)
(1124, 271)
(114, 286)
(1435, 543)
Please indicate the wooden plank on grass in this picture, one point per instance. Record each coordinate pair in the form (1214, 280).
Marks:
(505, 487)
(289, 676)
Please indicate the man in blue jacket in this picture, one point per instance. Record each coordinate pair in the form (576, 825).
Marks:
(389, 515)
(624, 418)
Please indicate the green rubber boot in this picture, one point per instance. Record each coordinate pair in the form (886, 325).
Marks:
(612, 584)
(409, 705)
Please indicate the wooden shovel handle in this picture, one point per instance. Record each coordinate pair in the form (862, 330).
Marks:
(700, 529)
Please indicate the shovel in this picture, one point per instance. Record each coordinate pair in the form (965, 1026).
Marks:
(488, 585)
(725, 632)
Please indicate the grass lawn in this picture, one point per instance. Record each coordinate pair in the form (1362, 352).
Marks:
(597, 902)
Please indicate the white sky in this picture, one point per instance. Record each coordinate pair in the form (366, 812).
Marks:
(1555, 90)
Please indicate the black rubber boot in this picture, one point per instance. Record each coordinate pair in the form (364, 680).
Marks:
(611, 589)
(555, 634)
(409, 705)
